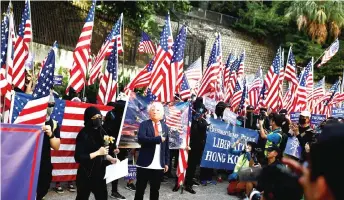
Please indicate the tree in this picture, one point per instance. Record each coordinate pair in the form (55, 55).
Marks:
(320, 19)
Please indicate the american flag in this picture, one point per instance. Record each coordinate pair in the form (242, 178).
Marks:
(232, 79)
(174, 118)
(185, 92)
(163, 81)
(194, 74)
(146, 45)
(209, 79)
(177, 61)
(183, 153)
(301, 92)
(272, 82)
(82, 54)
(290, 69)
(104, 51)
(255, 87)
(219, 96)
(227, 70)
(5, 92)
(236, 96)
(70, 117)
(330, 52)
(241, 65)
(21, 48)
(150, 95)
(243, 100)
(108, 84)
(35, 111)
(142, 78)
(319, 90)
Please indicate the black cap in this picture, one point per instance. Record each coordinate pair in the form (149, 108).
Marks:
(263, 109)
(273, 148)
(283, 111)
(250, 107)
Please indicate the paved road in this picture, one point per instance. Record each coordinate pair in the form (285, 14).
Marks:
(210, 192)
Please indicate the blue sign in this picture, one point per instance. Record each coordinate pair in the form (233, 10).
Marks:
(293, 147)
(210, 104)
(220, 137)
(317, 119)
(337, 112)
(294, 117)
(58, 80)
(230, 116)
(131, 173)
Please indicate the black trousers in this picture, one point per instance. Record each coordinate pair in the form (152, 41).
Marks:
(194, 160)
(86, 185)
(206, 174)
(44, 180)
(121, 156)
(153, 176)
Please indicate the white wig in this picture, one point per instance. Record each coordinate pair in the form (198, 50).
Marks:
(156, 105)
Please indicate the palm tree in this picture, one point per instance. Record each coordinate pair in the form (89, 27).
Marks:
(319, 19)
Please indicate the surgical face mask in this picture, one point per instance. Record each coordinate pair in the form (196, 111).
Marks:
(96, 123)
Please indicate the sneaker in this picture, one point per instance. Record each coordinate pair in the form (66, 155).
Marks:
(117, 195)
(195, 183)
(204, 183)
(71, 188)
(131, 187)
(59, 190)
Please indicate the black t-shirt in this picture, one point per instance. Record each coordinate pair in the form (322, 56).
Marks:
(46, 158)
(198, 133)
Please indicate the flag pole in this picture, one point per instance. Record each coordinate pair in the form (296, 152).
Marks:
(122, 53)
(31, 47)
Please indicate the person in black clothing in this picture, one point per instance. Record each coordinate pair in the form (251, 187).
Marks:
(90, 153)
(51, 140)
(251, 119)
(112, 125)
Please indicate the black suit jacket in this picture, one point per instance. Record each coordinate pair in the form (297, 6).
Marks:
(148, 141)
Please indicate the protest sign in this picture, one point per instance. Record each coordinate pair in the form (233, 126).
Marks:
(294, 117)
(20, 166)
(131, 173)
(229, 116)
(220, 137)
(337, 112)
(58, 80)
(209, 103)
(176, 117)
(293, 147)
(317, 119)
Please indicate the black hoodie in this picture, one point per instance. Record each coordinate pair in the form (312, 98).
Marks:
(88, 141)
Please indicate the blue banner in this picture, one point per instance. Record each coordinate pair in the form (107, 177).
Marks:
(294, 117)
(131, 173)
(337, 112)
(317, 119)
(220, 137)
(58, 80)
(293, 147)
(21, 147)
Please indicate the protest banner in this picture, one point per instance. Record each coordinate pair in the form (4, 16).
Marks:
(220, 137)
(294, 117)
(21, 148)
(293, 147)
(337, 112)
(176, 117)
(58, 80)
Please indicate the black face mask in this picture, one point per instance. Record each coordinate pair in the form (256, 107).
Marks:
(302, 121)
(96, 123)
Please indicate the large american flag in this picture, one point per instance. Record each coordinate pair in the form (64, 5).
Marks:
(330, 52)
(174, 118)
(142, 78)
(319, 89)
(184, 91)
(272, 82)
(290, 69)
(35, 111)
(163, 81)
(255, 87)
(81, 54)
(301, 92)
(235, 100)
(209, 79)
(21, 48)
(105, 50)
(243, 101)
(70, 117)
(194, 74)
(183, 153)
(108, 84)
(146, 45)
(241, 65)
(232, 79)
(227, 70)
(177, 61)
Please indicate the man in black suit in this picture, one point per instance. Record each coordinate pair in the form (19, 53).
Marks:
(153, 158)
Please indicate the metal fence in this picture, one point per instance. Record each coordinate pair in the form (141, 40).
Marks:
(216, 17)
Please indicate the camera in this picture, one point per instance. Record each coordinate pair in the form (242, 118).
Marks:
(262, 115)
